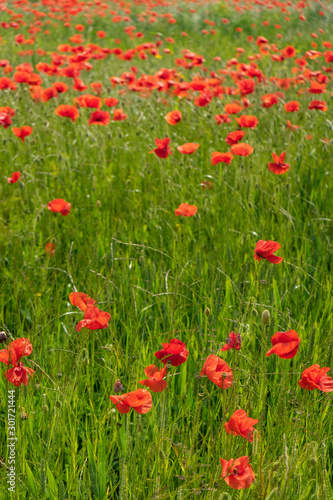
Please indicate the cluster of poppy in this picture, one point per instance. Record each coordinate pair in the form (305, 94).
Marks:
(70, 61)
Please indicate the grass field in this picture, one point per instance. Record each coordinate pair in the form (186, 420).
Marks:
(161, 276)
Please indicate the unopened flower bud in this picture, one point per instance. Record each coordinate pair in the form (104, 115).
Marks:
(265, 317)
(207, 311)
(3, 337)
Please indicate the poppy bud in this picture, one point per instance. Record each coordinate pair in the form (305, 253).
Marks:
(265, 317)
(119, 424)
(45, 409)
(313, 461)
(58, 404)
(207, 311)
(176, 431)
(59, 374)
(3, 337)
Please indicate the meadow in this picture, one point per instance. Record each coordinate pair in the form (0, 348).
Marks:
(101, 261)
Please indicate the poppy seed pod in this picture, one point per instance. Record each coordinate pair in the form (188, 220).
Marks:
(207, 311)
(265, 317)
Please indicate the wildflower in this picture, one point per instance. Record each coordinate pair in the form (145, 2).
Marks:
(234, 137)
(59, 205)
(242, 149)
(119, 115)
(241, 425)
(111, 101)
(163, 149)
(68, 111)
(173, 117)
(278, 167)
(154, 379)
(232, 108)
(14, 178)
(186, 210)
(238, 473)
(188, 148)
(174, 352)
(99, 118)
(291, 106)
(233, 342)
(218, 157)
(247, 121)
(292, 127)
(81, 300)
(315, 377)
(50, 248)
(22, 132)
(223, 118)
(140, 400)
(265, 249)
(321, 105)
(11, 355)
(285, 344)
(94, 319)
(218, 372)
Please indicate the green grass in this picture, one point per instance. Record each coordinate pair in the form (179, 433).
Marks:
(156, 273)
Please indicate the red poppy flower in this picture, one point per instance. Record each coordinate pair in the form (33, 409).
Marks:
(218, 157)
(99, 118)
(48, 94)
(111, 101)
(11, 355)
(234, 137)
(223, 118)
(285, 344)
(50, 248)
(292, 127)
(204, 98)
(163, 149)
(81, 300)
(241, 425)
(22, 132)
(5, 120)
(140, 400)
(218, 372)
(269, 100)
(233, 342)
(188, 148)
(247, 121)
(59, 205)
(315, 377)
(118, 115)
(278, 167)
(174, 352)
(14, 178)
(173, 117)
(68, 111)
(321, 105)
(89, 101)
(289, 51)
(94, 319)
(291, 106)
(317, 88)
(155, 380)
(232, 108)
(265, 249)
(60, 87)
(242, 149)
(238, 474)
(186, 210)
